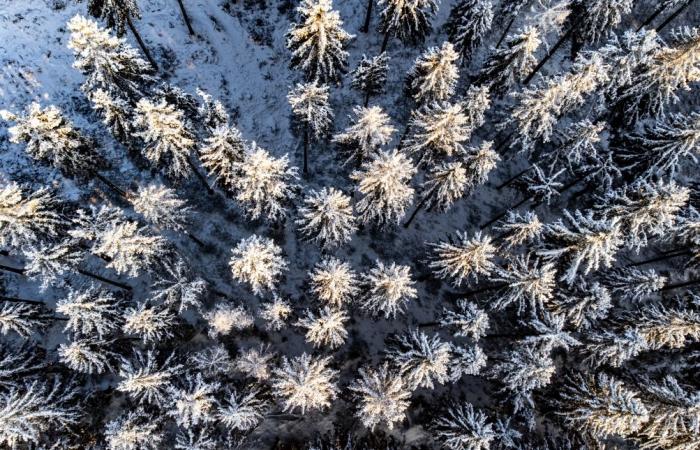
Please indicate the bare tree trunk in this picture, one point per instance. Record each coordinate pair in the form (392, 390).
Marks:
(550, 53)
(126, 287)
(505, 211)
(201, 177)
(195, 239)
(505, 32)
(141, 43)
(368, 17)
(420, 205)
(673, 16)
(367, 95)
(186, 17)
(680, 285)
(513, 178)
(385, 42)
(653, 16)
(20, 300)
(660, 258)
(306, 151)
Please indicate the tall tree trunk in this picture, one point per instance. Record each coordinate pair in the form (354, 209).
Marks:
(367, 95)
(20, 300)
(513, 178)
(673, 16)
(140, 42)
(550, 53)
(403, 136)
(505, 32)
(653, 16)
(201, 177)
(306, 151)
(195, 239)
(368, 17)
(680, 285)
(505, 211)
(428, 195)
(126, 287)
(660, 258)
(385, 42)
(186, 17)
(111, 185)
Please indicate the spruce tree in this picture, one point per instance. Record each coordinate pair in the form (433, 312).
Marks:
(469, 22)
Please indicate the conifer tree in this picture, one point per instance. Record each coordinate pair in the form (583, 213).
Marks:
(254, 363)
(151, 323)
(423, 360)
(633, 284)
(599, 17)
(334, 282)
(384, 184)
(130, 248)
(370, 131)
(383, 397)
(26, 218)
(369, 76)
(467, 321)
(221, 154)
(326, 218)
(91, 312)
(115, 112)
(305, 382)
(523, 370)
(521, 229)
(135, 429)
(264, 184)
(23, 318)
(511, 64)
(311, 109)
(160, 206)
(465, 259)
(469, 22)
(146, 379)
(242, 411)
(327, 329)
(49, 263)
(258, 262)
(275, 313)
(434, 75)
(438, 131)
(529, 284)
(224, 318)
(444, 184)
(465, 428)
(387, 289)
(317, 44)
(86, 356)
(408, 20)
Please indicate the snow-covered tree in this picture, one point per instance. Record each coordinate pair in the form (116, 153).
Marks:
(633, 284)
(161, 206)
(550, 333)
(512, 63)
(467, 321)
(584, 305)
(255, 362)
(383, 397)
(135, 430)
(384, 184)
(438, 131)
(317, 43)
(264, 183)
(408, 20)
(115, 112)
(305, 382)
(434, 75)
(108, 62)
(312, 111)
(326, 218)
(211, 361)
(33, 409)
(152, 323)
(200, 438)
(469, 360)
(116, 13)
(387, 288)
(146, 379)
(542, 186)
(130, 248)
(242, 411)
(613, 349)
(178, 287)
(464, 259)
(423, 360)
(225, 318)
(585, 242)
(666, 327)
(222, 153)
(49, 263)
(275, 313)
(444, 184)
(469, 22)
(327, 329)
(86, 356)
(89, 224)
(479, 162)
(529, 283)
(90, 312)
(523, 370)
(167, 135)
(258, 262)
(663, 146)
(465, 428)
(599, 17)
(334, 282)
(602, 406)
(370, 131)
(195, 403)
(22, 318)
(51, 139)
(370, 75)
(520, 229)
(28, 217)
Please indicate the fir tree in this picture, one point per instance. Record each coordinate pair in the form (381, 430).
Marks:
(467, 321)
(178, 287)
(383, 397)
(466, 361)
(599, 17)
(632, 284)
(511, 64)
(27, 218)
(311, 109)
(50, 263)
(222, 153)
(23, 319)
(326, 218)
(161, 206)
(469, 22)
(115, 112)
(242, 411)
(370, 131)
(130, 248)
(521, 229)
(264, 184)
(407, 20)
(327, 329)
(151, 323)
(387, 288)
(384, 184)
(146, 379)
(438, 131)
(133, 430)
(423, 360)
(334, 282)
(467, 258)
(275, 313)
(529, 283)
(90, 312)
(258, 262)
(317, 43)
(86, 356)
(195, 403)
(305, 382)
(464, 428)
(370, 75)
(225, 318)
(434, 75)
(523, 370)
(583, 305)
(255, 363)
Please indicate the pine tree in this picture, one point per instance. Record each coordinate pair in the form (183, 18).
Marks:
(49, 263)
(51, 139)
(89, 224)
(86, 356)
(334, 283)
(264, 184)
(632, 284)
(151, 323)
(160, 206)
(521, 229)
(662, 147)
(115, 112)
(585, 241)
(523, 370)
(132, 431)
(169, 140)
(583, 305)
(178, 287)
(211, 361)
(462, 260)
(511, 64)
(387, 288)
(91, 312)
(28, 218)
(370, 131)
(663, 327)
(131, 248)
(195, 403)
(258, 262)
(480, 162)
(222, 153)
(108, 62)
(384, 184)
(327, 329)
(668, 70)
(225, 318)
(23, 319)
(467, 321)
(576, 145)
(369, 76)
(529, 283)
(242, 411)
(317, 43)
(383, 396)
(311, 109)
(469, 22)
(33, 409)
(146, 379)
(275, 313)
(550, 333)
(434, 75)
(468, 360)
(408, 20)
(602, 406)
(326, 218)
(422, 360)
(438, 131)
(599, 17)
(542, 187)
(305, 382)
(445, 184)
(464, 428)
(255, 363)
